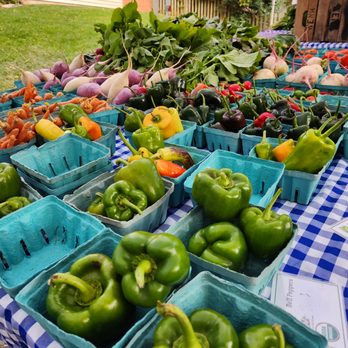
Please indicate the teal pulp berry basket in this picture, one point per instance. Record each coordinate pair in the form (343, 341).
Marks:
(218, 139)
(107, 116)
(255, 275)
(108, 138)
(333, 100)
(65, 189)
(37, 236)
(29, 192)
(33, 296)
(241, 307)
(60, 162)
(264, 176)
(5, 154)
(151, 218)
(179, 195)
(299, 186)
(339, 90)
(6, 106)
(199, 138)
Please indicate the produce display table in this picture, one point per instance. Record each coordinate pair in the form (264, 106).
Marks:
(317, 251)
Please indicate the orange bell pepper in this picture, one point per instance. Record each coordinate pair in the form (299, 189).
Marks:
(93, 129)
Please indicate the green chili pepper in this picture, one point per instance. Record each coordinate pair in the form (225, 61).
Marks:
(131, 122)
(70, 113)
(249, 110)
(262, 336)
(190, 113)
(10, 182)
(87, 301)
(320, 109)
(149, 137)
(143, 174)
(222, 194)
(273, 127)
(12, 204)
(295, 132)
(313, 149)
(222, 243)
(264, 149)
(218, 114)
(139, 102)
(122, 200)
(150, 266)
(260, 226)
(260, 102)
(203, 329)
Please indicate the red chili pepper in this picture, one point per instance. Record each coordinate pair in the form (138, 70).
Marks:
(248, 85)
(168, 168)
(225, 93)
(294, 106)
(262, 119)
(235, 96)
(234, 88)
(199, 87)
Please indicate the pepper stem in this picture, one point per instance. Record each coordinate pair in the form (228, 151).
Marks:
(121, 160)
(127, 143)
(86, 293)
(338, 108)
(144, 267)
(267, 212)
(141, 126)
(335, 126)
(280, 334)
(224, 181)
(301, 104)
(264, 139)
(129, 204)
(189, 337)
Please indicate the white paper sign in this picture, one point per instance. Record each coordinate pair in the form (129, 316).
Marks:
(315, 303)
(341, 228)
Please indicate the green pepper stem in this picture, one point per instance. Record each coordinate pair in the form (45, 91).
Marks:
(338, 108)
(190, 339)
(264, 140)
(127, 143)
(176, 103)
(301, 104)
(3, 204)
(203, 97)
(127, 203)
(280, 334)
(335, 127)
(153, 102)
(123, 111)
(144, 267)
(86, 292)
(267, 212)
(140, 123)
(295, 123)
(121, 160)
(99, 194)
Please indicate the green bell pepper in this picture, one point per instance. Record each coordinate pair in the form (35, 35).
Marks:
(150, 266)
(313, 149)
(70, 113)
(222, 243)
(97, 205)
(10, 182)
(221, 193)
(263, 336)
(122, 200)
(87, 301)
(266, 232)
(131, 122)
(190, 113)
(264, 149)
(143, 174)
(149, 137)
(203, 329)
(12, 204)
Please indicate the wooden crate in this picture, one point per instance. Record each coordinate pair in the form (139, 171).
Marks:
(322, 20)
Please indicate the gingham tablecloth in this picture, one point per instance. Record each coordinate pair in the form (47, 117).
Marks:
(316, 253)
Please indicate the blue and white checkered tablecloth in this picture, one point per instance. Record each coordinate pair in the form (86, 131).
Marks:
(316, 253)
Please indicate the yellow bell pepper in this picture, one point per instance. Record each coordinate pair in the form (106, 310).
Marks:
(48, 130)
